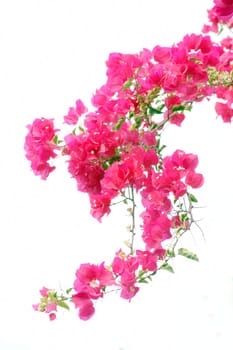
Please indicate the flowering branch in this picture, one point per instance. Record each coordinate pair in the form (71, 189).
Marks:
(118, 146)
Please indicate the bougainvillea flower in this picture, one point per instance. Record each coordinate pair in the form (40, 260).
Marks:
(224, 9)
(40, 146)
(75, 113)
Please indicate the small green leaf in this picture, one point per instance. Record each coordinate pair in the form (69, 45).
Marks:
(161, 149)
(55, 139)
(188, 254)
(193, 59)
(153, 111)
(131, 115)
(127, 84)
(154, 127)
(141, 273)
(63, 304)
(178, 108)
(105, 165)
(153, 273)
(143, 280)
(44, 300)
(192, 198)
(184, 217)
(170, 253)
(119, 124)
(52, 295)
(42, 307)
(69, 290)
(138, 122)
(167, 267)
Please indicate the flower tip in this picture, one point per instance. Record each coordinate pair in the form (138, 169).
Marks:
(52, 316)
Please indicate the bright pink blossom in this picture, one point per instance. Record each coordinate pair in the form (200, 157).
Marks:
(223, 9)
(86, 311)
(44, 292)
(52, 316)
(83, 302)
(125, 267)
(149, 138)
(91, 279)
(177, 119)
(75, 113)
(121, 174)
(224, 111)
(147, 260)
(89, 283)
(40, 146)
(120, 68)
(100, 205)
(156, 229)
(161, 54)
(51, 307)
(194, 180)
(227, 43)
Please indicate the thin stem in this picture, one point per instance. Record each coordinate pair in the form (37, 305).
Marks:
(131, 194)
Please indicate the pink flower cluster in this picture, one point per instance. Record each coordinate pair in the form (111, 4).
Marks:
(74, 114)
(118, 147)
(221, 13)
(119, 142)
(90, 282)
(40, 147)
(178, 173)
(128, 268)
(47, 304)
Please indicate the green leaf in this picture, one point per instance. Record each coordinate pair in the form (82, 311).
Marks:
(138, 122)
(141, 273)
(131, 115)
(52, 295)
(192, 198)
(105, 165)
(153, 273)
(178, 108)
(69, 290)
(161, 149)
(188, 254)
(44, 300)
(63, 304)
(154, 127)
(143, 280)
(42, 307)
(193, 59)
(184, 217)
(167, 267)
(119, 124)
(55, 140)
(153, 111)
(170, 253)
(127, 84)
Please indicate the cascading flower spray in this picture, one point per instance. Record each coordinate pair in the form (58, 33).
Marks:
(115, 152)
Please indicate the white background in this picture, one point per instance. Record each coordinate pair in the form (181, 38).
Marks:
(53, 52)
